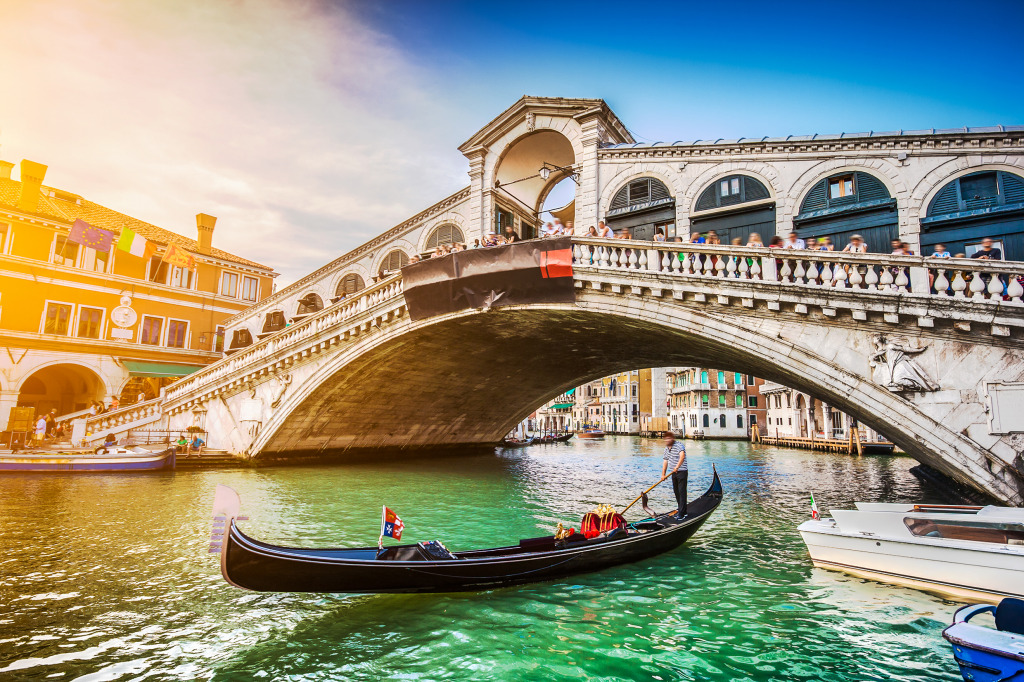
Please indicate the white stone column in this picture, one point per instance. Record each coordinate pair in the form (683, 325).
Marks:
(826, 414)
(589, 191)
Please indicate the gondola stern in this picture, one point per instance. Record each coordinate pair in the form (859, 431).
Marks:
(715, 489)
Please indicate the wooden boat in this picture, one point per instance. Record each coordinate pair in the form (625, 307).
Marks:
(100, 459)
(590, 433)
(876, 448)
(989, 654)
(431, 567)
(517, 443)
(564, 438)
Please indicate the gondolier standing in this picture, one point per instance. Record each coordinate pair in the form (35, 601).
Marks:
(675, 456)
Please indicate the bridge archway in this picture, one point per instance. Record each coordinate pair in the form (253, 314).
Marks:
(376, 393)
(526, 171)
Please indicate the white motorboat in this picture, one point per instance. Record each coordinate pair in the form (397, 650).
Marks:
(966, 553)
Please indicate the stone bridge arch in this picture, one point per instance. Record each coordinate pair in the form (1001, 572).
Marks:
(469, 377)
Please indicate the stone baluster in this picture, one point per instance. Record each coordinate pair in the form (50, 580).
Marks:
(800, 273)
(576, 253)
(885, 281)
(812, 273)
(871, 278)
(769, 269)
(826, 274)
(839, 276)
(995, 288)
(730, 267)
(681, 265)
(604, 260)
(666, 260)
(902, 280)
(633, 263)
(1014, 290)
(856, 279)
(720, 266)
(708, 268)
(744, 268)
(786, 272)
(977, 287)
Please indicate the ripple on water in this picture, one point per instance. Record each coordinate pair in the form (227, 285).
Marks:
(124, 590)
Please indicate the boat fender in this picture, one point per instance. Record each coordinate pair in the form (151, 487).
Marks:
(100, 451)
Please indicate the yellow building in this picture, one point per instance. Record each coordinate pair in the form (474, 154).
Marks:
(625, 398)
(78, 325)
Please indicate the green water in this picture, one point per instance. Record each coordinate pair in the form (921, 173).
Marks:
(107, 577)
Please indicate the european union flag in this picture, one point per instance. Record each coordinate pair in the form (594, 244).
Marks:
(95, 238)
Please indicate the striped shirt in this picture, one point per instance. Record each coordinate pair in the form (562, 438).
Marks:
(672, 455)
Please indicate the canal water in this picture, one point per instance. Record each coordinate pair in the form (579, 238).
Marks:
(107, 577)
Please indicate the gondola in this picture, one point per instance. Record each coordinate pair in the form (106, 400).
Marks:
(431, 567)
(516, 443)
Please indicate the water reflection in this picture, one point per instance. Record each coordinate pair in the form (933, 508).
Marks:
(106, 577)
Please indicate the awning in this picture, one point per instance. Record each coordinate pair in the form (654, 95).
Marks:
(137, 368)
(561, 406)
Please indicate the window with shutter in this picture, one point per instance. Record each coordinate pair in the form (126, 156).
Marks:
(639, 191)
(349, 284)
(445, 234)
(275, 321)
(731, 190)
(310, 303)
(393, 262)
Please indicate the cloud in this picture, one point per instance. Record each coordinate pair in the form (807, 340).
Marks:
(304, 130)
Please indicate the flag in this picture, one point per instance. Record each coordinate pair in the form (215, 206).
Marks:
(85, 234)
(134, 244)
(176, 255)
(815, 514)
(390, 525)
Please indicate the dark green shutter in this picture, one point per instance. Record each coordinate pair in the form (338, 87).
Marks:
(869, 188)
(817, 198)
(706, 200)
(945, 201)
(1013, 188)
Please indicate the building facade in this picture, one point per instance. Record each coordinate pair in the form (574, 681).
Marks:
(709, 402)
(791, 413)
(80, 325)
(922, 186)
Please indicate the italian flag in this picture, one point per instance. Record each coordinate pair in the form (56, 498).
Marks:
(815, 514)
(134, 244)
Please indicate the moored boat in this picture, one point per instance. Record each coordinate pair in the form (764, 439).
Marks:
(962, 552)
(99, 460)
(517, 442)
(432, 567)
(989, 654)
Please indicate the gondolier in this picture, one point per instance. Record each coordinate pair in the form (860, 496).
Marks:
(675, 456)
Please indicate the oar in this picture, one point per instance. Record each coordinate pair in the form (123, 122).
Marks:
(642, 494)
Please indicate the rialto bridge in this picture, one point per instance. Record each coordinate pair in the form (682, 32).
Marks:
(931, 356)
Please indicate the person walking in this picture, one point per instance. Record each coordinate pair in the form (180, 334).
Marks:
(40, 430)
(675, 455)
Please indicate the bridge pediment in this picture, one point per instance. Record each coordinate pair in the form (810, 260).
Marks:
(531, 113)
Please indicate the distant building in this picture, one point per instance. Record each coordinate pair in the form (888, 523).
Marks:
(708, 401)
(795, 414)
(79, 324)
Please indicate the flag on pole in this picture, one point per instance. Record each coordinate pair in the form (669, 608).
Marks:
(135, 244)
(815, 514)
(85, 234)
(390, 525)
(175, 255)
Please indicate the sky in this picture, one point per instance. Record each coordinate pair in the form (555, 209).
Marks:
(309, 127)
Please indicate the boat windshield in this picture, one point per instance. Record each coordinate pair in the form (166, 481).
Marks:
(977, 531)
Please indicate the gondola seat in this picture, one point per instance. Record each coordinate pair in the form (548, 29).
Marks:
(1010, 616)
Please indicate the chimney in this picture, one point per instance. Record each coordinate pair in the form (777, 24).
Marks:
(32, 175)
(5, 170)
(204, 225)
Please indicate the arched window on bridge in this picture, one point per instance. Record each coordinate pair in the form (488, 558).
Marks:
(240, 339)
(393, 262)
(442, 235)
(273, 322)
(349, 284)
(727, 207)
(848, 203)
(643, 206)
(309, 304)
(983, 204)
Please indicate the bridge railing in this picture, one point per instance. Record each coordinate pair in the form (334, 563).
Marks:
(979, 280)
(311, 326)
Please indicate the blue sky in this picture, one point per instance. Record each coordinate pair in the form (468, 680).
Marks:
(314, 126)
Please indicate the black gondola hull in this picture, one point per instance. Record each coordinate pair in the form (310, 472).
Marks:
(255, 565)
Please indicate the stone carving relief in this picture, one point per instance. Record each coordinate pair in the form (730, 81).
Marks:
(901, 372)
(284, 381)
(531, 121)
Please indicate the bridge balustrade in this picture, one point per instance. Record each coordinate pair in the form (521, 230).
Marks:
(958, 278)
(271, 346)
